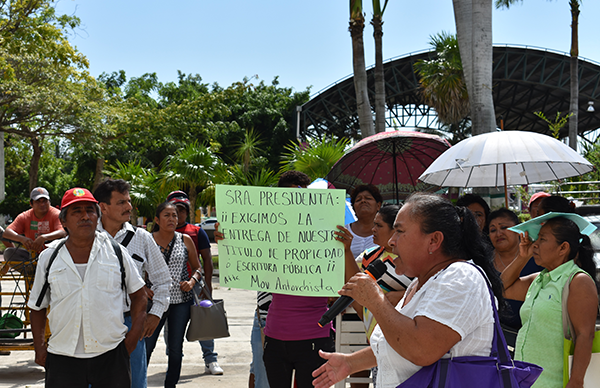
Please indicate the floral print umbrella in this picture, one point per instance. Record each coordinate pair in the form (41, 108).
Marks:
(392, 161)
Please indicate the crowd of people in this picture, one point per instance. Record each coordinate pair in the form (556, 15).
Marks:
(107, 289)
(445, 311)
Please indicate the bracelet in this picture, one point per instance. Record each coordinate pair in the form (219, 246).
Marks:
(196, 280)
(199, 272)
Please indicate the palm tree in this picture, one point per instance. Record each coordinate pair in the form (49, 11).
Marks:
(442, 83)
(316, 158)
(249, 148)
(377, 23)
(574, 71)
(193, 168)
(357, 25)
(473, 20)
(146, 192)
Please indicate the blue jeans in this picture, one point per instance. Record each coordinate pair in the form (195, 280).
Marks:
(208, 347)
(137, 358)
(257, 367)
(178, 317)
(208, 351)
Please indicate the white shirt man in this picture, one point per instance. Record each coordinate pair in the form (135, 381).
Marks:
(90, 343)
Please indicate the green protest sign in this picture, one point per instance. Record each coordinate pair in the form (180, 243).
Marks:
(281, 239)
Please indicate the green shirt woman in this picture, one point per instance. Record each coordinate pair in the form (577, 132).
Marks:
(561, 249)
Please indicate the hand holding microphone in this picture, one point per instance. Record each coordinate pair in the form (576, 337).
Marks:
(376, 269)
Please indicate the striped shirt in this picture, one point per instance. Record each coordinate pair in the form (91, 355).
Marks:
(148, 260)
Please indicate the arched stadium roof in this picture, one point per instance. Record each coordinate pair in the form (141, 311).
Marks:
(525, 80)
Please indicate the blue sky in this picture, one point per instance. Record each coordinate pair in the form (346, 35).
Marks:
(305, 43)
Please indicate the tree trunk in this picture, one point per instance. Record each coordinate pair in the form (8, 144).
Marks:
(482, 67)
(98, 173)
(34, 168)
(474, 33)
(574, 73)
(193, 196)
(463, 18)
(379, 76)
(365, 116)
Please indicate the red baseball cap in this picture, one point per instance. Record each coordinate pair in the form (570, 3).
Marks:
(76, 194)
(537, 196)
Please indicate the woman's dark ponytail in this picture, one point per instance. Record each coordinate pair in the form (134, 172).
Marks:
(480, 252)
(585, 258)
(462, 237)
(581, 251)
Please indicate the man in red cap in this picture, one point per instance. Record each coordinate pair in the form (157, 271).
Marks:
(35, 226)
(88, 275)
(534, 203)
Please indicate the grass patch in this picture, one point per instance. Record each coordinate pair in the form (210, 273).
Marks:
(215, 260)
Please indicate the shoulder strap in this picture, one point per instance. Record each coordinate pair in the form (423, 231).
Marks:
(567, 325)
(169, 250)
(128, 237)
(46, 285)
(119, 254)
(499, 348)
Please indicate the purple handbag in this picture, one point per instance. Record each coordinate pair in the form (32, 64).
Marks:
(496, 371)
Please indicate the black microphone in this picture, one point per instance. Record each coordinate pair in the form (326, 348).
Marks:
(376, 270)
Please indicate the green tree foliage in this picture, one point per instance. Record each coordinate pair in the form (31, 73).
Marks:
(146, 189)
(56, 172)
(443, 87)
(114, 124)
(269, 110)
(248, 149)
(556, 125)
(442, 83)
(191, 168)
(45, 89)
(315, 158)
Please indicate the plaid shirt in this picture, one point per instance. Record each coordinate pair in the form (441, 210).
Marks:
(148, 260)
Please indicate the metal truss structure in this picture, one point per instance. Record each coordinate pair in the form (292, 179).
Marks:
(525, 80)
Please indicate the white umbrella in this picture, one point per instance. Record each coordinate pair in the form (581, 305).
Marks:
(505, 158)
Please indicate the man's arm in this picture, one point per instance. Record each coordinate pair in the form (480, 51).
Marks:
(138, 316)
(207, 264)
(10, 234)
(159, 276)
(139, 301)
(38, 329)
(38, 243)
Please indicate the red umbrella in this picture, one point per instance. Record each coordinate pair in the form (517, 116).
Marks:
(392, 161)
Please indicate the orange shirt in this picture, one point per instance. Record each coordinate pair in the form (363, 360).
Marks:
(29, 225)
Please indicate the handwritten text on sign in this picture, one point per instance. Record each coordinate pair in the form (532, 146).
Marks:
(281, 239)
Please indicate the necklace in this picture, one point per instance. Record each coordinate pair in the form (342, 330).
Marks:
(502, 261)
